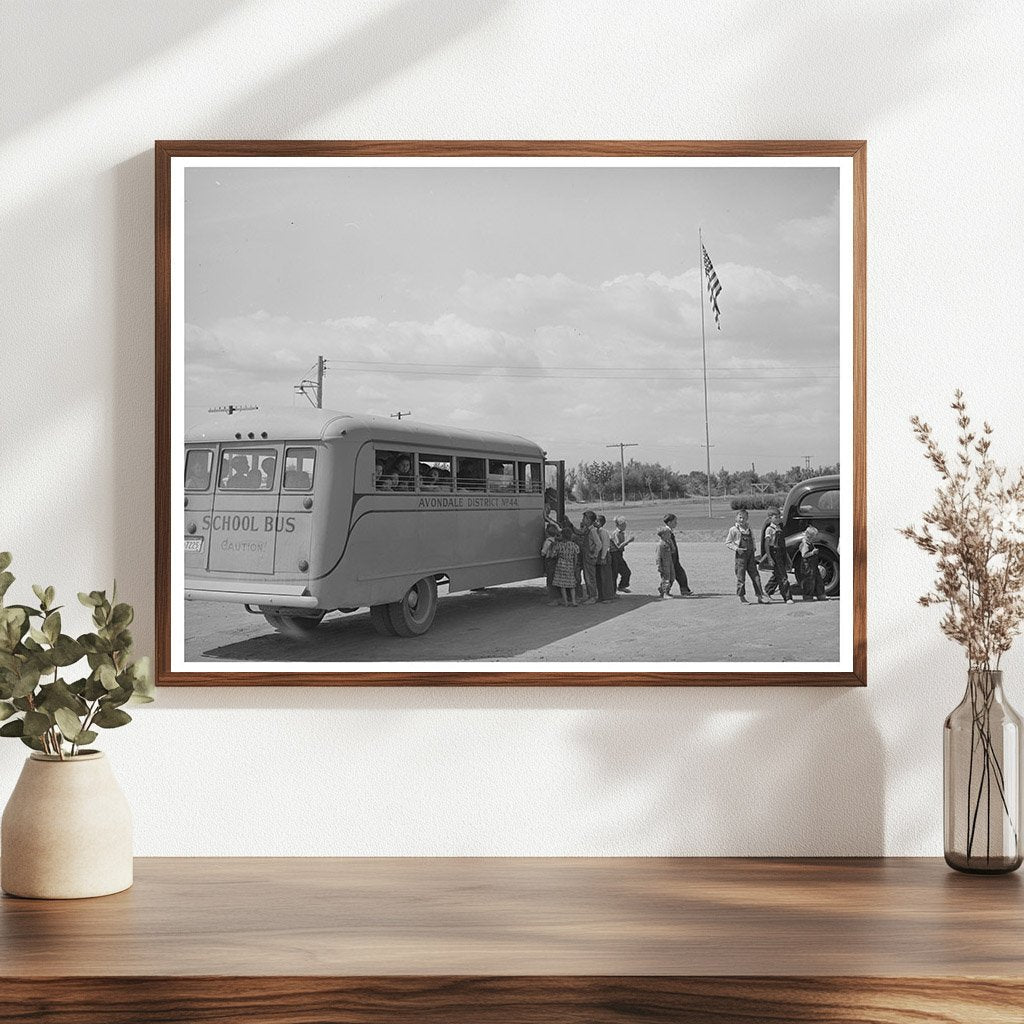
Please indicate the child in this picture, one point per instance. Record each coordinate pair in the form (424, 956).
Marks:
(811, 583)
(741, 541)
(552, 533)
(605, 573)
(774, 549)
(619, 542)
(664, 561)
(567, 560)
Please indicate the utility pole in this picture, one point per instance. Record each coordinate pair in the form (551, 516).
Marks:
(807, 462)
(622, 446)
(709, 447)
(399, 415)
(230, 409)
(313, 389)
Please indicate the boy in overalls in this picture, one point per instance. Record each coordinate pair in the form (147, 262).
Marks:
(741, 541)
(774, 550)
(811, 583)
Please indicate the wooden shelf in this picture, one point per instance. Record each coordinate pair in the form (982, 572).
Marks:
(505, 940)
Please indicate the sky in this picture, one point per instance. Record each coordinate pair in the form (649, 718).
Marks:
(562, 304)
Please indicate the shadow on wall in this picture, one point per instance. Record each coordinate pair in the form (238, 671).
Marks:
(739, 772)
(385, 45)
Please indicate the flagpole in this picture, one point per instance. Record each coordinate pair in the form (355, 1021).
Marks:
(704, 353)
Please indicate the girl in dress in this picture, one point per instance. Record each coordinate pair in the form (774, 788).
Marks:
(567, 559)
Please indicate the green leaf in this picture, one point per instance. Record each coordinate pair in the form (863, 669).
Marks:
(59, 695)
(69, 724)
(89, 600)
(94, 689)
(86, 736)
(109, 718)
(51, 626)
(38, 636)
(13, 728)
(50, 595)
(122, 616)
(31, 741)
(66, 651)
(5, 560)
(6, 579)
(36, 723)
(142, 681)
(6, 710)
(40, 593)
(107, 676)
(94, 645)
(27, 681)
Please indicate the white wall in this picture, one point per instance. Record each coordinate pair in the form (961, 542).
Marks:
(936, 89)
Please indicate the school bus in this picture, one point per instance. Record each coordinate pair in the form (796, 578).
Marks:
(295, 513)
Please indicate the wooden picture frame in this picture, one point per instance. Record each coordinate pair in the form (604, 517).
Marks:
(171, 160)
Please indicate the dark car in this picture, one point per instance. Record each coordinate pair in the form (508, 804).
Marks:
(814, 502)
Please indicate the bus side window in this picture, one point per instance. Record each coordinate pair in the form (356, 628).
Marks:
(393, 471)
(435, 473)
(299, 466)
(470, 474)
(501, 476)
(529, 478)
(198, 466)
(248, 469)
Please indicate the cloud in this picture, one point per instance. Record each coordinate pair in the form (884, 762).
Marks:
(562, 360)
(817, 232)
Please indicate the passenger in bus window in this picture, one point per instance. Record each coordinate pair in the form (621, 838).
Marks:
(237, 477)
(267, 467)
(403, 468)
(378, 477)
(198, 475)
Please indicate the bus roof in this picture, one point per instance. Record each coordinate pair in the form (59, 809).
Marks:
(287, 424)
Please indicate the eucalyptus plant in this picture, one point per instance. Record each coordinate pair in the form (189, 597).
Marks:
(37, 704)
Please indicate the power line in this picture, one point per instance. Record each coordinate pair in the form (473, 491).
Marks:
(499, 366)
(543, 374)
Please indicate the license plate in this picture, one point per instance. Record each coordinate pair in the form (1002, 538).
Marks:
(193, 543)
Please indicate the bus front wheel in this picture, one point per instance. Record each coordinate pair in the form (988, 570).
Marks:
(414, 614)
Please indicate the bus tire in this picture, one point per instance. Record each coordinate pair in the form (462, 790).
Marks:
(381, 620)
(414, 614)
(297, 626)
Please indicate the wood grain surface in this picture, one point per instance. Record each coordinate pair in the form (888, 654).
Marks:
(523, 939)
(166, 150)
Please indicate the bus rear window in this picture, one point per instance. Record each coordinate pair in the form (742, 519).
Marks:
(501, 476)
(198, 467)
(250, 470)
(435, 473)
(299, 464)
(470, 474)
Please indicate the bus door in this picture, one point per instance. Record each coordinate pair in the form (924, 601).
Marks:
(554, 481)
(295, 509)
(243, 523)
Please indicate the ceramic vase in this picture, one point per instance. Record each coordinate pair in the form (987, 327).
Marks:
(66, 831)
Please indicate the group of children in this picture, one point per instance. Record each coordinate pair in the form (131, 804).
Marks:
(589, 561)
(774, 557)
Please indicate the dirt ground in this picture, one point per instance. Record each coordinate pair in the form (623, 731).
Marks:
(515, 623)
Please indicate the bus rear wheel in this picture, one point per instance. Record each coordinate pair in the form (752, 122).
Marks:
(292, 624)
(414, 614)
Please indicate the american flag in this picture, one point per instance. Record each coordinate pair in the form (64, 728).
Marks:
(713, 286)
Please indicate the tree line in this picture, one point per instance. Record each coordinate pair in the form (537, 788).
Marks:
(602, 481)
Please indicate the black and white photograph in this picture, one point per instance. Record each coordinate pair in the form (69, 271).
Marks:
(511, 414)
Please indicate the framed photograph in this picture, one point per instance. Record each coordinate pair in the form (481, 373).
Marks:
(492, 413)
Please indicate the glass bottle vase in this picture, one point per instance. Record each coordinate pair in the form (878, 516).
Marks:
(981, 772)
